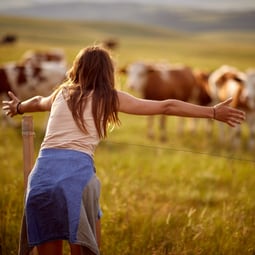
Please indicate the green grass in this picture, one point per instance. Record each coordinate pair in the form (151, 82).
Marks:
(190, 195)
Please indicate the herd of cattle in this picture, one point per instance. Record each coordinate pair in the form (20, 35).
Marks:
(39, 72)
(163, 81)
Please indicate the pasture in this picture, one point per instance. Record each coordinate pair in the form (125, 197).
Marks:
(191, 195)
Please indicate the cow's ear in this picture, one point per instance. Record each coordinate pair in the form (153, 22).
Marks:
(238, 79)
(150, 69)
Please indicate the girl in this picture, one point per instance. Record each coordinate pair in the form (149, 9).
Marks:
(62, 198)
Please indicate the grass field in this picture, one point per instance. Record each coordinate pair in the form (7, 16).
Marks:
(189, 196)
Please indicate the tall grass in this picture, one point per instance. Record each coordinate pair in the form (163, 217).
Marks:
(190, 195)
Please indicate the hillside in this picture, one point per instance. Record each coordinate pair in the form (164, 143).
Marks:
(205, 49)
(176, 18)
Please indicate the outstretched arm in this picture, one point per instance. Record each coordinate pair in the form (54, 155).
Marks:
(221, 112)
(35, 104)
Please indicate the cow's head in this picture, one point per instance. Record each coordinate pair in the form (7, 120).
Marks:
(137, 75)
(230, 82)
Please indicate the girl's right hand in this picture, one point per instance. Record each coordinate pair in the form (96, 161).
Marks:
(10, 107)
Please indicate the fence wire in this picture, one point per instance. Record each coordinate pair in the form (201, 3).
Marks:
(167, 148)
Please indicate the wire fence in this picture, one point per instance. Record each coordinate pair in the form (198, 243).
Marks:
(168, 148)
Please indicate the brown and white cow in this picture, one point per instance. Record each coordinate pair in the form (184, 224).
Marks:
(163, 81)
(35, 57)
(249, 95)
(27, 80)
(228, 81)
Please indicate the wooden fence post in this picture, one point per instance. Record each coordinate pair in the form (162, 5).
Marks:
(28, 152)
(28, 146)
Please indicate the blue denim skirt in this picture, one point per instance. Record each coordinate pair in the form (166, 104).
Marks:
(62, 199)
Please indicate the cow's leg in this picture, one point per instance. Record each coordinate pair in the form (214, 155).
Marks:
(209, 124)
(150, 132)
(221, 132)
(196, 124)
(180, 125)
(251, 143)
(251, 129)
(162, 128)
(236, 137)
(193, 125)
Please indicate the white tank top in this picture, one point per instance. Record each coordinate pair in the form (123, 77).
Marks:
(62, 131)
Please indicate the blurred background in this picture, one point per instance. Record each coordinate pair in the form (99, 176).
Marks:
(185, 15)
(188, 192)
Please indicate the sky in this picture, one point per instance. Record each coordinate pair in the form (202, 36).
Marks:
(214, 4)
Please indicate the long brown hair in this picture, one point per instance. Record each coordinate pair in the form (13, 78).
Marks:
(93, 71)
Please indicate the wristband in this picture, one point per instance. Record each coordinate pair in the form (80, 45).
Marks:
(17, 108)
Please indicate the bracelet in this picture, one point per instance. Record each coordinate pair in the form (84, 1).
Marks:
(17, 108)
(214, 113)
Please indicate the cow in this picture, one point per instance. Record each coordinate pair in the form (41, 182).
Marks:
(110, 43)
(227, 81)
(249, 106)
(250, 88)
(26, 80)
(35, 57)
(9, 39)
(164, 81)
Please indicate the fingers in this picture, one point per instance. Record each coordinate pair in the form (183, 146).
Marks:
(234, 121)
(238, 114)
(13, 99)
(8, 110)
(10, 106)
(9, 113)
(6, 107)
(12, 96)
(236, 117)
